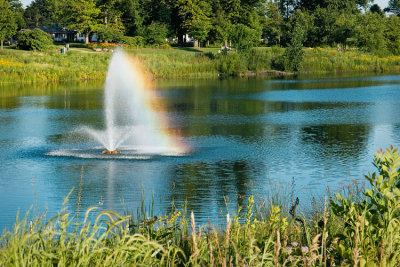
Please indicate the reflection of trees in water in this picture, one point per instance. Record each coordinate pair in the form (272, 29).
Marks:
(65, 95)
(346, 140)
(205, 185)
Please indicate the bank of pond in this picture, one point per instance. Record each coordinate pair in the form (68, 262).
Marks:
(352, 228)
(85, 64)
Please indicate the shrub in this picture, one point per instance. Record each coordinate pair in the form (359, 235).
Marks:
(372, 226)
(133, 41)
(232, 64)
(34, 40)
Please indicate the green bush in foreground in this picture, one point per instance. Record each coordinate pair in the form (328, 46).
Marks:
(34, 40)
(346, 233)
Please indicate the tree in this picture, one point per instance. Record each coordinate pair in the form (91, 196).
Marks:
(111, 15)
(220, 27)
(294, 54)
(392, 34)
(195, 16)
(8, 25)
(108, 34)
(41, 12)
(199, 31)
(376, 9)
(16, 7)
(80, 15)
(156, 33)
(273, 29)
(369, 33)
(243, 37)
(393, 7)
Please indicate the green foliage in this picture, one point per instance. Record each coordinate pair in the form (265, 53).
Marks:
(260, 59)
(232, 64)
(8, 25)
(133, 41)
(369, 34)
(375, 8)
(156, 33)
(108, 34)
(18, 10)
(294, 54)
(392, 34)
(371, 232)
(243, 37)
(41, 13)
(394, 7)
(34, 40)
(79, 15)
(199, 30)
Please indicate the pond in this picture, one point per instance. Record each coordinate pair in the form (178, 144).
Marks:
(249, 136)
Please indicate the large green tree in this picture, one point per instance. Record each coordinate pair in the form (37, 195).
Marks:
(41, 13)
(16, 7)
(370, 33)
(394, 7)
(8, 26)
(294, 53)
(392, 34)
(195, 16)
(274, 24)
(81, 15)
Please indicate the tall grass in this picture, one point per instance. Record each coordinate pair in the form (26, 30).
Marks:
(346, 232)
(329, 60)
(84, 64)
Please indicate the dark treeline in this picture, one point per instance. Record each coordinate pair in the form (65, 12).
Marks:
(240, 23)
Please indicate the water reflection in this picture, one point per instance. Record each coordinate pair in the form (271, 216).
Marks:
(247, 134)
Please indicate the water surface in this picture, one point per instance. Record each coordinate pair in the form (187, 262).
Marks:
(247, 135)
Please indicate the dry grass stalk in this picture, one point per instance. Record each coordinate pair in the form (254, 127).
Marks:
(356, 250)
(218, 246)
(324, 233)
(193, 224)
(277, 248)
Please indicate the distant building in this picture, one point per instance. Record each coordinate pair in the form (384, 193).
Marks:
(58, 34)
(80, 37)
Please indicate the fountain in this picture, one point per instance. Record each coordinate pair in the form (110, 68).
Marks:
(130, 112)
(133, 116)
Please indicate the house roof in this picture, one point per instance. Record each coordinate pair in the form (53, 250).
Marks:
(53, 29)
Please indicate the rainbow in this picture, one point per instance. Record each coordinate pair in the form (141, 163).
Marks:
(129, 92)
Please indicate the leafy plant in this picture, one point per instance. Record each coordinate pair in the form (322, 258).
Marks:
(371, 228)
(34, 40)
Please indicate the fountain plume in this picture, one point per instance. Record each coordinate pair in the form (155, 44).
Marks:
(132, 112)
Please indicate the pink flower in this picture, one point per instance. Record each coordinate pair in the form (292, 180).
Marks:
(305, 249)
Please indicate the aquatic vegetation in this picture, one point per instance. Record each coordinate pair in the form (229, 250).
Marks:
(349, 231)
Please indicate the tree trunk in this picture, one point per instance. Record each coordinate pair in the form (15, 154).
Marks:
(1, 44)
(196, 43)
(87, 38)
(226, 43)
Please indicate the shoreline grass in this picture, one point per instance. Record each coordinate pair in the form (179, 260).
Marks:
(347, 230)
(18, 66)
